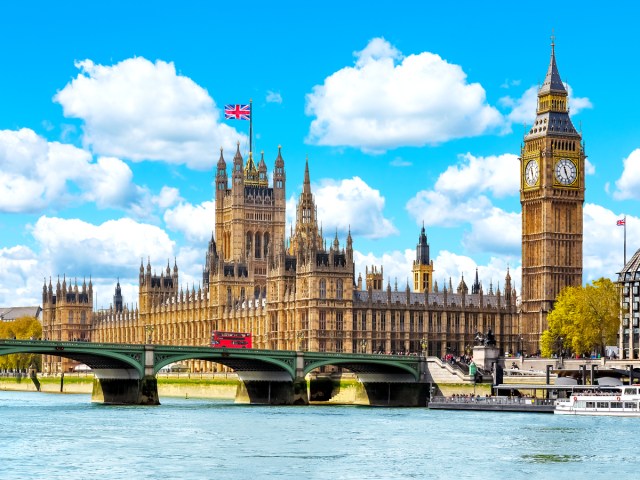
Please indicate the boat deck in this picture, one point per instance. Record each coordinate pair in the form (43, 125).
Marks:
(496, 404)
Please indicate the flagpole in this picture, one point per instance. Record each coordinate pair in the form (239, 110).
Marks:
(250, 126)
(625, 242)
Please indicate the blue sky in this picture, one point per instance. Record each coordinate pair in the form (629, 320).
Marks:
(111, 124)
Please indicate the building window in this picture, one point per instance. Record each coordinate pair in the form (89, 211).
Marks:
(323, 288)
(257, 245)
(70, 317)
(339, 321)
(363, 321)
(339, 289)
(266, 245)
(322, 321)
(339, 347)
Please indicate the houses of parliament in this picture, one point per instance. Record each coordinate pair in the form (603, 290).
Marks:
(300, 292)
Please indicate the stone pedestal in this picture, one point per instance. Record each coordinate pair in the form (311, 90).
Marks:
(483, 356)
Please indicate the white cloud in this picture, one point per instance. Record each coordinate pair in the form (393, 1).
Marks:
(400, 162)
(478, 174)
(499, 232)
(351, 203)
(167, 197)
(274, 97)
(459, 192)
(111, 249)
(589, 168)
(628, 185)
(386, 101)
(523, 109)
(21, 277)
(37, 174)
(196, 222)
(439, 209)
(460, 197)
(141, 110)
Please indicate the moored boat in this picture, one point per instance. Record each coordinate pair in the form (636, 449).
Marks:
(619, 401)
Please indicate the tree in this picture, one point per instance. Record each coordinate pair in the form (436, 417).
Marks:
(584, 319)
(22, 328)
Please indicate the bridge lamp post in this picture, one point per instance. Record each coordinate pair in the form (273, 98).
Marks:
(363, 345)
(424, 344)
(148, 330)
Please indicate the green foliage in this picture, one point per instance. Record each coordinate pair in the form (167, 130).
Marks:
(584, 319)
(22, 328)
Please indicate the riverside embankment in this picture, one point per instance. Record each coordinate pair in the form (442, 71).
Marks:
(220, 386)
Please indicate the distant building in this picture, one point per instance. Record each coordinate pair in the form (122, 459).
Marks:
(629, 335)
(12, 313)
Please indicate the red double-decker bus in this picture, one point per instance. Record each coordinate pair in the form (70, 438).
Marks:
(230, 339)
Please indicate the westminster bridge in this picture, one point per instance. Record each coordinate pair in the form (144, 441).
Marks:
(126, 373)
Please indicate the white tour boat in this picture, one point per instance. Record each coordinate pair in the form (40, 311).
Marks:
(621, 401)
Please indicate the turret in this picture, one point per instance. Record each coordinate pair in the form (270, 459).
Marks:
(221, 176)
(475, 288)
(279, 177)
(238, 175)
(262, 172)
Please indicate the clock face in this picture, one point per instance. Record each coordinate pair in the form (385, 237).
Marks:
(531, 172)
(566, 171)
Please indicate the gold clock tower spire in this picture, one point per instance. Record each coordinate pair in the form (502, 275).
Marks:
(552, 194)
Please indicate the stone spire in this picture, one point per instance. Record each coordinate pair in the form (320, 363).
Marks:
(552, 82)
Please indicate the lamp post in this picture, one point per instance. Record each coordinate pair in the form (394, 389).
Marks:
(424, 344)
(363, 345)
(148, 330)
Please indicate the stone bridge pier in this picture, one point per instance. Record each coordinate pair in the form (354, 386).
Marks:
(274, 387)
(119, 386)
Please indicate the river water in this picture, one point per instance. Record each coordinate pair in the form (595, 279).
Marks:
(51, 436)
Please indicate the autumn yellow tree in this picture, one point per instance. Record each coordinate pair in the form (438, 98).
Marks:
(22, 328)
(584, 319)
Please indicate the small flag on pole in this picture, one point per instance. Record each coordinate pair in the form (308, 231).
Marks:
(237, 112)
(621, 222)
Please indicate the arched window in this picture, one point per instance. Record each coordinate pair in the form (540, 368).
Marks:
(248, 244)
(323, 288)
(339, 289)
(228, 295)
(266, 245)
(258, 243)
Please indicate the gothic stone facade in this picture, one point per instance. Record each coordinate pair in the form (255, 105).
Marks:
(295, 293)
(552, 194)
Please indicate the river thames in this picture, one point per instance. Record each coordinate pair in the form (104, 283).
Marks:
(53, 436)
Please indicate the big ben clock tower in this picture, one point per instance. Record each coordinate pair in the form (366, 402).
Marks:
(551, 193)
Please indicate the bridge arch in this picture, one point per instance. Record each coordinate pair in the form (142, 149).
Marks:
(111, 356)
(365, 365)
(238, 360)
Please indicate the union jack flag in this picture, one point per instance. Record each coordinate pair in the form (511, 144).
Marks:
(237, 112)
(621, 223)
